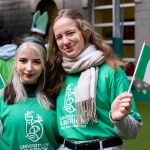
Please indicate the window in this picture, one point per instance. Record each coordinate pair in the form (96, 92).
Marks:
(103, 19)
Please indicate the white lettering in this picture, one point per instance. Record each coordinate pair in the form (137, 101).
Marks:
(43, 146)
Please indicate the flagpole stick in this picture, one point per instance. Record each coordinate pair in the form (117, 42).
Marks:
(2, 79)
(136, 67)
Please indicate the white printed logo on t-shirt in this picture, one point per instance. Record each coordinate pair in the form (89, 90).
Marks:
(70, 98)
(34, 128)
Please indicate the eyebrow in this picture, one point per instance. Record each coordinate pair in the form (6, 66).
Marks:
(36, 59)
(27, 58)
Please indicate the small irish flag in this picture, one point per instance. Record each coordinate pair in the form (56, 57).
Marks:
(2, 84)
(142, 70)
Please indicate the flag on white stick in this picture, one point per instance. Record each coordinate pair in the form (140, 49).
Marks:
(142, 70)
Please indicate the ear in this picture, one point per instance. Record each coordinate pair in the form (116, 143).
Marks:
(14, 61)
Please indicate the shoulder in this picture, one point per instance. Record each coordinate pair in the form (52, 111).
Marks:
(112, 76)
(108, 70)
(115, 80)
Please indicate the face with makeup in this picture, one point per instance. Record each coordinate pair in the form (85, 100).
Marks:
(68, 37)
(28, 65)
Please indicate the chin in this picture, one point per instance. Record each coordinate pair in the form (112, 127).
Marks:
(71, 55)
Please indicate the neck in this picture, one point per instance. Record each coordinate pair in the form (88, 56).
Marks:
(30, 89)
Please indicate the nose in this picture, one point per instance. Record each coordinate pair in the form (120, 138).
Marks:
(66, 40)
(29, 66)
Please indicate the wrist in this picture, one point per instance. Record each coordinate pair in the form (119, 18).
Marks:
(111, 117)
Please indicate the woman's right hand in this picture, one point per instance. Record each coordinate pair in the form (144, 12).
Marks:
(121, 106)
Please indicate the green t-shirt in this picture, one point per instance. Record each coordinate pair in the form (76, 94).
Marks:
(110, 85)
(6, 68)
(27, 126)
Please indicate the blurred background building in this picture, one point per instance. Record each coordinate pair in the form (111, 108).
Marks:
(134, 16)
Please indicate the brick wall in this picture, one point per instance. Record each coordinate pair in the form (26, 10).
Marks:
(15, 15)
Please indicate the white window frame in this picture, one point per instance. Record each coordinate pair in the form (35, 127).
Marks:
(110, 24)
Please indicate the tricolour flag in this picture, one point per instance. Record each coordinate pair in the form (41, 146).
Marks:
(142, 70)
(2, 84)
(143, 66)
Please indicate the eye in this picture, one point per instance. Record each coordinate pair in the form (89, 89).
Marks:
(71, 33)
(37, 61)
(58, 38)
(23, 60)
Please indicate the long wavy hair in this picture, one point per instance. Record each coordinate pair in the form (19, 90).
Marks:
(56, 75)
(15, 91)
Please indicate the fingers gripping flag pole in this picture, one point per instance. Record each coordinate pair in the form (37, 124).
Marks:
(142, 70)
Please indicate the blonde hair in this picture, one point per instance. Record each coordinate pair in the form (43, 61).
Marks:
(20, 93)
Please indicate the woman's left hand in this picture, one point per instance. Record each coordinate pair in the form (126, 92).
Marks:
(121, 106)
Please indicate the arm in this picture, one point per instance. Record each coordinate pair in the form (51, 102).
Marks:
(128, 127)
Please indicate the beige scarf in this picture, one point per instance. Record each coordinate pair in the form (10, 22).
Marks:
(86, 63)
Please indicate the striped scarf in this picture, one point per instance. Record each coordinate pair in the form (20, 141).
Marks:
(86, 63)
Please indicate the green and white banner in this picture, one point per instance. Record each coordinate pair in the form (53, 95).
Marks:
(142, 70)
(143, 66)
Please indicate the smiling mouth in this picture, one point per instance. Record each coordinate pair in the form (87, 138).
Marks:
(70, 49)
(29, 75)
